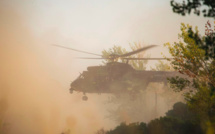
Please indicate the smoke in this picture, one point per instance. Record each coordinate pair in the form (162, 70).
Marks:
(32, 100)
(33, 95)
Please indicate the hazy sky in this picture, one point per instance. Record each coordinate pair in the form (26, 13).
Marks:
(101, 23)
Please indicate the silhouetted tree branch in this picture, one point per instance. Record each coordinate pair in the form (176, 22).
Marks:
(184, 8)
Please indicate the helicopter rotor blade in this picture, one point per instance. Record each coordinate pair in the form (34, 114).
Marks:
(92, 58)
(146, 58)
(76, 50)
(137, 51)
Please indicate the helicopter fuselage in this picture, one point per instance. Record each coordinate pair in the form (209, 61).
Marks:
(117, 78)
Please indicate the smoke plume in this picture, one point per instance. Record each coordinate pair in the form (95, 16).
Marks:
(31, 100)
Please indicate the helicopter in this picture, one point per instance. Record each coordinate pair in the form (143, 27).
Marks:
(117, 77)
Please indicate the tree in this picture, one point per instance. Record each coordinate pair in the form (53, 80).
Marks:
(136, 64)
(184, 8)
(180, 111)
(125, 103)
(101, 131)
(136, 108)
(171, 125)
(115, 50)
(194, 61)
(177, 121)
(207, 43)
(133, 128)
(162, 66)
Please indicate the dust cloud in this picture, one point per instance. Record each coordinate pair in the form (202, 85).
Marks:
(31, 101)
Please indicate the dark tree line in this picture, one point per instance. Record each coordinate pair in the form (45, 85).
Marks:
(179, 120)
(184, 8)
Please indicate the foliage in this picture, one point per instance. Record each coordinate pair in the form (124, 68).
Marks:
(162, 66)
(206, 43)
(190, 59)
(115, 50)
(179, 120)
(101, 131)
(184, 8)
(136, 107)
(178, 83)
(170, 125)
(133, 128)
(136, 64)
(193, 60)
(133, 107)
(180, 111)
(163, 125)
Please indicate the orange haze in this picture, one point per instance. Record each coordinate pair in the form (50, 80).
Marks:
(31, 101)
